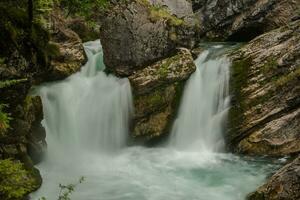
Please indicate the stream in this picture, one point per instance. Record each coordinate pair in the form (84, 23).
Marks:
(87, 122)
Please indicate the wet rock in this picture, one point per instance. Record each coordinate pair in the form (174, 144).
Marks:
(265, 115)
(157, 90)
(27, 58)
(284, 185)
(138, 33)
(242, 20)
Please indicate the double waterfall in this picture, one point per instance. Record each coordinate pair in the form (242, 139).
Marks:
(86, 120)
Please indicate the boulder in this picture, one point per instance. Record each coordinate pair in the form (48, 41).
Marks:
(242, 20)
(138, 33)
(265, 83)
(68, 52)
(157, 90)
(284, 185)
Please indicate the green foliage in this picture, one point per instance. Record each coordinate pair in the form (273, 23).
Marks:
(4, 119)
(83, 8)
(66, 190)
(15, 181)
(157, 13)
(8, 83)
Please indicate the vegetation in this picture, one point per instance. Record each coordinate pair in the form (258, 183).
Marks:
(83, 7)
(4, 119)
(158, 12)
(15, 181)
(8, 83)
(67, 190)
(283, 80)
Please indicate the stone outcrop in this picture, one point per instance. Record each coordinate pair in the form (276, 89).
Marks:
(157, 91)
(265, 116)
(69, 52)
(284, 185)
(140, 32)
(30, 55)
(242, 20)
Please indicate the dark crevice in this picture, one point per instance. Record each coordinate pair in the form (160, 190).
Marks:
(246, 34)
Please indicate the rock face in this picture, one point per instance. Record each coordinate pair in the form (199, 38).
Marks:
(242, 20)
(265, 117)
(70, 55)
(140, 32)
(157, 90)
(27, 58)
(284, 185)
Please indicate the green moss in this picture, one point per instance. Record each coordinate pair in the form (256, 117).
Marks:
(270, 65)
(285, 79)
(53, 50)
(4, 119)
(15, 181)
(157, 13)
(8, 83)
(240, 70)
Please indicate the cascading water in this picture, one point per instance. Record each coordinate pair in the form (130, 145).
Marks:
(86, 119)
(203, 112)
(89, 110)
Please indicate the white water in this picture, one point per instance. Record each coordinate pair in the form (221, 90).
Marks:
(203, 113)
(86, 119)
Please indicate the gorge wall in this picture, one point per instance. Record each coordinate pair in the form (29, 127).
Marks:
(30, 55)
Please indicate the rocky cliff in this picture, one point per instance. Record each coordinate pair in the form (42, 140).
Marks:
(242, 20)
(265, 115)
(30, 54)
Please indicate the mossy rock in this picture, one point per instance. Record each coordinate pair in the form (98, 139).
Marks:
(16, 181)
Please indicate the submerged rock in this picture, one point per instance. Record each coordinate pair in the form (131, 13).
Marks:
(157, 90)
(265, 116)
(242, 20)
(284, 185)
(138, 33)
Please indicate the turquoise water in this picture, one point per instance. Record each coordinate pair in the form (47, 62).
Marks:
(139, 173)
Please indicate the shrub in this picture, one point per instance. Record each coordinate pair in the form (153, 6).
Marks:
(15, 181)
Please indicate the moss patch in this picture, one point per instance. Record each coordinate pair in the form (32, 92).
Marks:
(15, 181)
(158, 12)
(240, 70)
(4, 120)
(285, 79)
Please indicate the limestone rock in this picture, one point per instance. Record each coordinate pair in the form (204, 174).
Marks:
(265, 115)
(284, 185)
(243, 20)
(157, 90)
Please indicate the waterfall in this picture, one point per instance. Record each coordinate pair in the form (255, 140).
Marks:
(203, 111)
(89, 110)
(87, 117)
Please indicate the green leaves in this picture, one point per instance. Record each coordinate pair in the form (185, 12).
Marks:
(67, 190)
(8, 83)
(4, 119)
(15, 181)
